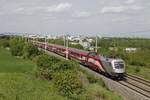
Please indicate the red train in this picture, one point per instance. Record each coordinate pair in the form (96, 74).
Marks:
(109, 66)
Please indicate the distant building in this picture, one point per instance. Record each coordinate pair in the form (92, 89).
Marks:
(74, 43)
(90, 40)
(86, 44)
(131, 50)
(113, 48)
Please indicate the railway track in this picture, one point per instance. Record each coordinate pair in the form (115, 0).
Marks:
(137, 84)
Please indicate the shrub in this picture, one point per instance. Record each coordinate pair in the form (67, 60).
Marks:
(68, 83)
(137, 69)
(45, 61)
(16, 47)
(5, 43)
(93, 79)
(44, 65)
(30, 51)
(137, 63)
(64, 65)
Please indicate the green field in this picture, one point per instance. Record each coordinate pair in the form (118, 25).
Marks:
(9, 63)
(16, 84)
(19, 86)
(143, 71)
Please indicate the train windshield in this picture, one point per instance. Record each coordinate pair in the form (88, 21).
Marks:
(92, 54)
(119, 65)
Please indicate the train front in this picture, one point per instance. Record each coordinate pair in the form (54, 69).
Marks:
(114, 67)
(118, 66)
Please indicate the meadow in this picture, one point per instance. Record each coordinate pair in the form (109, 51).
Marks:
(17, 81)
(9, 63)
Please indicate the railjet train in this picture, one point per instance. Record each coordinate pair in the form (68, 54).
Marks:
(112, 67)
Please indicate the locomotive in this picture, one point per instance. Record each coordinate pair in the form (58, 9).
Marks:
(112, 67)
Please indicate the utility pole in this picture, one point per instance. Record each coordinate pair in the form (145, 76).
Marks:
(67, 48)
(27, 36)
(45, 43)
(96, 44)
(22, 36)
(64, 40)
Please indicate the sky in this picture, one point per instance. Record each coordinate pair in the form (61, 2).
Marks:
(109, 17)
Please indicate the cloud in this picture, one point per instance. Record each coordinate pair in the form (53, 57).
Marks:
(120, 19)
(115, 9)
(82, 14)
(19, 9)
(119, 9)
(129, 1)
(59, 7)
(135, 7)
(41, 9)
(1, 13)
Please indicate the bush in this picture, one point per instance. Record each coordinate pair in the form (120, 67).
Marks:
(137, 63)
(46, 61)
(63, 73)
(16, 47)
(30, 51)
(64, 65)
(44, 65)
(137, 69)
(94, 79)
(68, 83)
(4, 43)
(97, 92)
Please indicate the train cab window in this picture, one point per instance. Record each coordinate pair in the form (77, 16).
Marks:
(92, 54)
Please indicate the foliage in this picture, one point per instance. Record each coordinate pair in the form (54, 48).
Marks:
(20, 86)
(46, 61)
(137, 69)
(97, 92)
(56, 41)
(68, 83)
(64, 65)
(11, 64)
(63, 73)
(77, 46)
(44, 65)
(30, 51)
(16, 46)
(4, 43)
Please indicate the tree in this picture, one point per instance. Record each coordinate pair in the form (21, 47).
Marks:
(16, 47)
(44, 64)
(68, 83)
(30, 51)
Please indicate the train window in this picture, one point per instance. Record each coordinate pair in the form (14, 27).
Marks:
(119, 65)
(92, 54)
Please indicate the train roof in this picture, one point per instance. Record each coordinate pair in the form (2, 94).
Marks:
(78, 51)
(72, 49)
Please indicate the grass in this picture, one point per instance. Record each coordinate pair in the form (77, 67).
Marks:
(15, 84)
(20, 86)
(97, 92)
(9, 63)
(142, 71)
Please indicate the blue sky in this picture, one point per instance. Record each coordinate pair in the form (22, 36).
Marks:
(112, 17)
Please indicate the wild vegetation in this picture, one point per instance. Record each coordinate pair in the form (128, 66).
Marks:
(45, 77)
